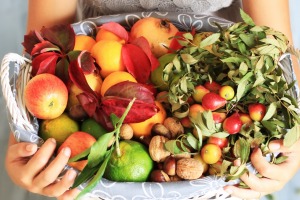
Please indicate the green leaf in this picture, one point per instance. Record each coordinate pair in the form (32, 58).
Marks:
(189, 59)
(248, 39)
(210, 40)
(84, 176)
(80, 156)
(97, 177)
(98, 149)
(171, 146)
(270, 111)
(246, 18)
(292, 136)
(192, 141)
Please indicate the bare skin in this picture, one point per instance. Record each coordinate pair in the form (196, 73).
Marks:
(30, 161)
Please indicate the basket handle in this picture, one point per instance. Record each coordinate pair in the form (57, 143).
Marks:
(13, 81)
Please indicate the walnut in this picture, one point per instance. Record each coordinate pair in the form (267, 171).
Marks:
(189, 168)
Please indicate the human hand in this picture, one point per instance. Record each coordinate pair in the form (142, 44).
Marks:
(274, 176)
(29, 168)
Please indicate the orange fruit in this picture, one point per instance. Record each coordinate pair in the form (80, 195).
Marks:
(104, 34)
(84, 42)
(107, 54)
(143, 128)
(133, 165)
(114, 78)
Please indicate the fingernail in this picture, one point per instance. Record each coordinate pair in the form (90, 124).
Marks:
(30, 147)
(52, 140)
(71, 175)
(274, 146)
(67, 151)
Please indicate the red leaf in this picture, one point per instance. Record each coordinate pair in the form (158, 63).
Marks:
(30, 40)
(77, 76)
(45, 63)
(61, 35)
(43, 47)
(88, 102)
(101, 117)
(86, 62)
(136, 62)
(140, 110)
(129, 90)
(117, 29)
(145, 46)
(174, 45)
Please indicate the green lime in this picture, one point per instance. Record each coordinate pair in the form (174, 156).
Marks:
(92, 127)
(58, 128)
(133, 165)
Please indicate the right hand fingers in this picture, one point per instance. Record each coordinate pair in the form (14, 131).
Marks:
(61, 188)
(52, 171)
(20, 150)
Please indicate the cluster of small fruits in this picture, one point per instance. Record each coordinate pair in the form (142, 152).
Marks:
(163, 147)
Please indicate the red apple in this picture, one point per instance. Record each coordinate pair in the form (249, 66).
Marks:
(199, 92)
(213, 101)
(232, 124)
(78, 142)
(46, 96)
(257, 111)
(212, 86)
(221, 142)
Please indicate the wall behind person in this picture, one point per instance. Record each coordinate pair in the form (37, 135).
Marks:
(13, 15)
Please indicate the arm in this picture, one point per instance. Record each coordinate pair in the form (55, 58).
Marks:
(275, 14)
(34, 172)
(50, 12)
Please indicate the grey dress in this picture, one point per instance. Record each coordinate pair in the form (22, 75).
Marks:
(91, 8)
(228, 9)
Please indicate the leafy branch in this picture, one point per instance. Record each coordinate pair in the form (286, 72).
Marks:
(99, 154)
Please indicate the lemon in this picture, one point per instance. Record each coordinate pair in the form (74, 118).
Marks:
(92, 127)
(133, 165)
(58, 128)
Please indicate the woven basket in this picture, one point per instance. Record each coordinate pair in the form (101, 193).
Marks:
(15, 73)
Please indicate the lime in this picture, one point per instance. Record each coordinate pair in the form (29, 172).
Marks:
(133, 165)
(58, 128)
(92, 127)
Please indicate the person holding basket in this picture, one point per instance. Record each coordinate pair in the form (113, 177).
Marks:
(31, 162)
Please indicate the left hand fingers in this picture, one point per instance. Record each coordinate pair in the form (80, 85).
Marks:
(243, 193)
(274, 171)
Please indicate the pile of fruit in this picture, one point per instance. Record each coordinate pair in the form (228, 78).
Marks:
(158, 104)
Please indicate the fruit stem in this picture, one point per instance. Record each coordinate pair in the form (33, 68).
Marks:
(119, 124)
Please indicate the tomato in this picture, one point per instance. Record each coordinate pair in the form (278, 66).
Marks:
(211, 153)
